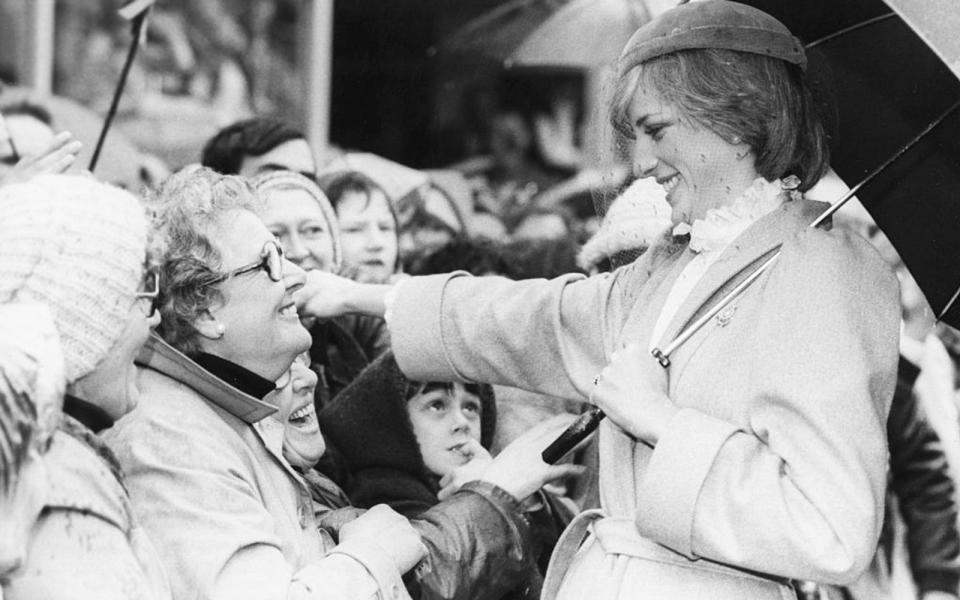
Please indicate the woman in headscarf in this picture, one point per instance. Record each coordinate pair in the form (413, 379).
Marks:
(757, 453)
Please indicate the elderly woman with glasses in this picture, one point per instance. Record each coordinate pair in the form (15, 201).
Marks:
(78, 249)
(300, 216)
(230, 516)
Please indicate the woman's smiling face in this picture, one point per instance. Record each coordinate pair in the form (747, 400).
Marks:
(261, 328)
(294, 218)
(303, 444)
(698, 169)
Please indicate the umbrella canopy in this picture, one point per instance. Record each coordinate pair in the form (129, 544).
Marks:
(935, 21)
(889, 83)
(397, 180)
(553, 33)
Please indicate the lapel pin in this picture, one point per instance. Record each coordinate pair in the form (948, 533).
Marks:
(724, 316)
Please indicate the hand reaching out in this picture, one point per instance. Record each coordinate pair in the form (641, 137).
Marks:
(519, 469)
(325, 295)
(321, 295)
(556, 134)
(632, 391)
(386, 529)
(55, 158)
(473, 470)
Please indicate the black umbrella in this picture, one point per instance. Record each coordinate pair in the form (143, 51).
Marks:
(890, 86)
(896, 131)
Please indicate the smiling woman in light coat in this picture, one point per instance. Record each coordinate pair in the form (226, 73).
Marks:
(759, 454)
(206, 474)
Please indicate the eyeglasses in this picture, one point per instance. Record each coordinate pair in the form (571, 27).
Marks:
(271, 261)
(151, 293)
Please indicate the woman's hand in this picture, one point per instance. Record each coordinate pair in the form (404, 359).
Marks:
(479, 461)
(520, 470)
(632, 392)
(386, 529)
(57, 157)
(325, 295)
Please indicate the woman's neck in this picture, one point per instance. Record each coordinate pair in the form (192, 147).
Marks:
(725, 192)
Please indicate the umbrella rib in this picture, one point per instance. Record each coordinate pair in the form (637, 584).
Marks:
(926, 130)
(851, 28)
(949, 305)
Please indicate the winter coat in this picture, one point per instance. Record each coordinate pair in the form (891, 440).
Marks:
(343, 347)
(87, 544)
(775, 463)
(922, 491)
(229, 516)
(369, 424)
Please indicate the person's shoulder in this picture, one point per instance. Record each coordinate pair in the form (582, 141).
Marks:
(836, 249)
(833, 261)
(172, 422)
(81, 481)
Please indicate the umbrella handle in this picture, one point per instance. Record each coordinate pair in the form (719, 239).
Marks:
(138, 23)
(578, 431)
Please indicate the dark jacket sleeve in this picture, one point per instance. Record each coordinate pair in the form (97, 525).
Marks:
(370, 332)
(924, 489)
(478, 546)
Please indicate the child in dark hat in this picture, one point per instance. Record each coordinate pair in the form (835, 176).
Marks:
(400, 438)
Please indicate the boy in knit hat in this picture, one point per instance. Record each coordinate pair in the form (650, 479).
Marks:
(78, 248)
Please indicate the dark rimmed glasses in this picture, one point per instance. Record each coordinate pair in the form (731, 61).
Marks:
(151, 292)
(271, 261)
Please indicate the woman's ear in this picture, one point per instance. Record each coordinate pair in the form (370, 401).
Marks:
(208, 326)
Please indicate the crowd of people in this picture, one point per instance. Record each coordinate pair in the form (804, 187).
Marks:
(270, 377)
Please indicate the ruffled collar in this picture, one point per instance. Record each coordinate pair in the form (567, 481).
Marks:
(722, 225)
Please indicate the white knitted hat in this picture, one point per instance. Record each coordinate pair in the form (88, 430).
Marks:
(638, 217)
(77, 246)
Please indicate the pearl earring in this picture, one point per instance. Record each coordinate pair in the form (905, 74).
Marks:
(220, 330)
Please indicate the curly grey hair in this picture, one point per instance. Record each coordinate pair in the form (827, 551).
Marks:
(185, 212)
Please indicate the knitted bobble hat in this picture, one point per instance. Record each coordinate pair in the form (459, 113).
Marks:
(76, 246)
(635, 220)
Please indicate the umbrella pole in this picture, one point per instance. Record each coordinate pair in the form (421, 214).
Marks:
(138, 23)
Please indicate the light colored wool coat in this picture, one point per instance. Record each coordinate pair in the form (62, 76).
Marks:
(86, 544)
(230, 518)
(776, 462)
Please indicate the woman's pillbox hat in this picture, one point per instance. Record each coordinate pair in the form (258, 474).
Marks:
(76, 246)
(712, 24)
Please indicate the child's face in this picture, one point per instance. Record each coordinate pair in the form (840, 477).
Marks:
(444, 418)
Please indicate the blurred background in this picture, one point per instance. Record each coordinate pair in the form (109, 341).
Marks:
(360, 74)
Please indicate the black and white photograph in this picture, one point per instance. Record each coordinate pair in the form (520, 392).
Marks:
(479, 299)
